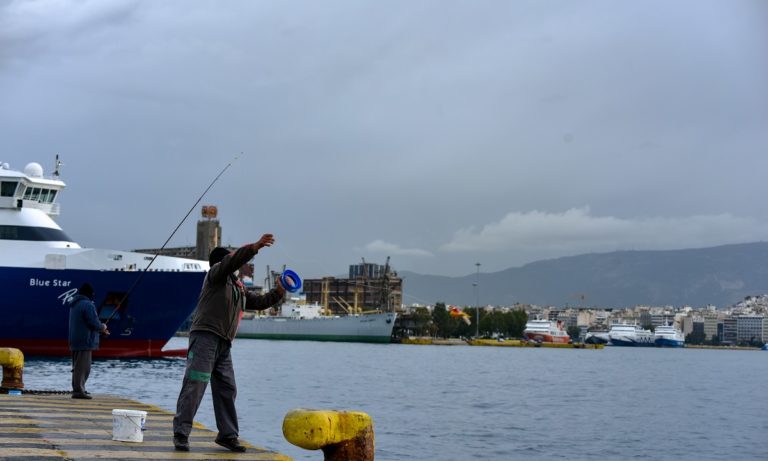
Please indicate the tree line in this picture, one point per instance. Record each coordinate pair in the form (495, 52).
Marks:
(439, 323)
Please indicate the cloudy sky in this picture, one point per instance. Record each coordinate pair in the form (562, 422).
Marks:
(440, 133)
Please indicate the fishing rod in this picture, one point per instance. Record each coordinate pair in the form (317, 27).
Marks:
(146, 269)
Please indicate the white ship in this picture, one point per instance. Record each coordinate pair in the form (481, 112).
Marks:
(307, 322)
(630, 335)
(669, 336)
(597, 337)
(41, 268)
(546, 331)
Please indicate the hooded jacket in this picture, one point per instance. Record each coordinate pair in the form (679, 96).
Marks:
(84, 324)
(222, 297)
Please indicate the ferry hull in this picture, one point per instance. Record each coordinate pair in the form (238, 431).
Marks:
(669, 342)
(546, 331)
(35, 315)
(547, 338)
(109, 348)
(596, 338)
(370, 328)
(630, 342)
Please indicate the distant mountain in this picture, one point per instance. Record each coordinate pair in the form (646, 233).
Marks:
(720, 275)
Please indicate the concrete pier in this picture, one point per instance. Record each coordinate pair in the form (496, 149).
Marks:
(519, 343)
(57, 427)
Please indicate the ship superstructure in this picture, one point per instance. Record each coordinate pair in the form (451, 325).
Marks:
(41, 267)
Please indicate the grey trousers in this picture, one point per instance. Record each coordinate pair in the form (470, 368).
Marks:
(81, 369)
(208, 360)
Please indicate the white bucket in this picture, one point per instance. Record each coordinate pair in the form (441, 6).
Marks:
(127, 425)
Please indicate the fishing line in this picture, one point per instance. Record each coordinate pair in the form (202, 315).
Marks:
(288, 278)
(296, 262)
(141, 275)
(325, 269)
(424, 301)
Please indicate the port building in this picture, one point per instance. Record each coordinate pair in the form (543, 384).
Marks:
(208, 238)
(368, 287)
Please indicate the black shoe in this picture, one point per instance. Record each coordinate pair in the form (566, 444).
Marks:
(181, 442)
(78, 395)
(231, 444)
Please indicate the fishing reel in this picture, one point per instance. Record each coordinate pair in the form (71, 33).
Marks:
(290, 280)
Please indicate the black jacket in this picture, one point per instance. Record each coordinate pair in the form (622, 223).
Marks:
(222, 297)
(84, 324)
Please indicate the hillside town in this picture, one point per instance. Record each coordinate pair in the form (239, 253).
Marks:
(744, 323)
(370, 287)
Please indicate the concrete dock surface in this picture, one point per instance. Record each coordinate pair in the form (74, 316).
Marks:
(57, 427)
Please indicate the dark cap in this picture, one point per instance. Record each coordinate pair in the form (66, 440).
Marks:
(86, 290)
(217, 255)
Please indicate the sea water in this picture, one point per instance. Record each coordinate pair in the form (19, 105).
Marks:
(470, 403)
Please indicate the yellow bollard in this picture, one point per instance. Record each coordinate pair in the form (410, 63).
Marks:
(12, 361)
(342, 435)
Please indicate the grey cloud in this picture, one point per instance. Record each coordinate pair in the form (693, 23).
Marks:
(577, 230)
(380, 246)
(416, 122)
(29, 28)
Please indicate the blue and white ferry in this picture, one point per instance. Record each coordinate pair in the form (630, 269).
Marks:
(668, 336)
(630, 335)
(41, 267)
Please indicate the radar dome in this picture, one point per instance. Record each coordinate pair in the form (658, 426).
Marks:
(34, 170)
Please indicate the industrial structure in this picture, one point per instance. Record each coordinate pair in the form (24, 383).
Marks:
(208, 232)
(369, 287)
(208, 238)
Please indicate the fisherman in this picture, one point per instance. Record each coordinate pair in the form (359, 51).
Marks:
(84, 330)
(214, 324)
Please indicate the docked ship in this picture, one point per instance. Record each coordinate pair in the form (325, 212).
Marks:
(597, 337)
(630, 335)
(668, 336)
(297, 321)
(546, 331)
(142, 301)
